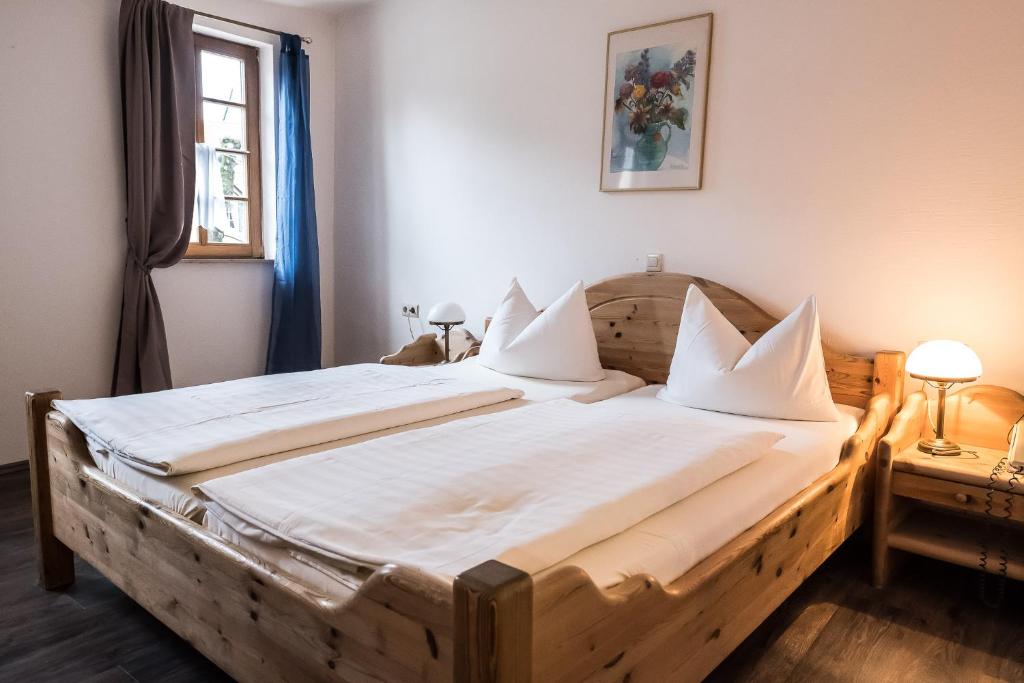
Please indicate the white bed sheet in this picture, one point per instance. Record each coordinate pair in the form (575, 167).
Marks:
(186, 430)
(669, 543)
(175, 492)
(615, 383)
(527, 487)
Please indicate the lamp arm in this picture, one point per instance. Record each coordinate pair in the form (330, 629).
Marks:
(940, 411)
(940, 445)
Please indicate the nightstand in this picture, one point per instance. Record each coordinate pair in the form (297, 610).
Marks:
(427, 349)
(935, 505)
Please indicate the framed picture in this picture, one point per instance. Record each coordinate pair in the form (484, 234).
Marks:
(655, 106)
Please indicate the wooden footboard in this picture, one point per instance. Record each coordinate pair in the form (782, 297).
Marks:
(255, 623)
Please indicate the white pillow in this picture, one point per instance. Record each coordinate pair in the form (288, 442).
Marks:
(557, 343)
(781, 376)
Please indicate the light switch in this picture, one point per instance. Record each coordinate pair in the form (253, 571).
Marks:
(654, 263)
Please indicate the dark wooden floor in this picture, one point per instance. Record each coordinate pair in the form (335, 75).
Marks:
(929, 626)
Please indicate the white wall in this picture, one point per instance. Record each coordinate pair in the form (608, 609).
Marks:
(62, 213)
(870, 152)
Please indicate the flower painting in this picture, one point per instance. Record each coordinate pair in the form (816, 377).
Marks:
(654, 111)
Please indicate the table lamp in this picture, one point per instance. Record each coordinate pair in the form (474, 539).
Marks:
(941, 363)
(446, 315)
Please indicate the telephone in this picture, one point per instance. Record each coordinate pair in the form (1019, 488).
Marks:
(1015, 458)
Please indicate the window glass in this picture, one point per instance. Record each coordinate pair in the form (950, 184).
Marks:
(234, 174)
(224, 125)
(223, 77)
(231, 227)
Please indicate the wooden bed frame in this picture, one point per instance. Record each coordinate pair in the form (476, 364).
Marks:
(495, 623)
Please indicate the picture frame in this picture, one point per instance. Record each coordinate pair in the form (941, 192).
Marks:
(655, 105)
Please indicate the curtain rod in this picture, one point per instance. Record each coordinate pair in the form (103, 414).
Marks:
(242, 23)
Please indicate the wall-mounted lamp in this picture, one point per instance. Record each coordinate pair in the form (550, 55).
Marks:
(942, 363)
(446, 315)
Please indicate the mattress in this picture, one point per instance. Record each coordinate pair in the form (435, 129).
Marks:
(667, 544)
(175, 492)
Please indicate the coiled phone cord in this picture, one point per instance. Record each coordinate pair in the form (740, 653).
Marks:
(1003, 512)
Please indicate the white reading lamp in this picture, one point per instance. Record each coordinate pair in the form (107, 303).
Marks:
(941, 363)
(446, 315)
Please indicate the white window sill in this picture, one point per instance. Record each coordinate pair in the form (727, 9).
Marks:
(226, 260)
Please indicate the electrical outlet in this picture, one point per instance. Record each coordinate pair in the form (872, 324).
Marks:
(411, 310)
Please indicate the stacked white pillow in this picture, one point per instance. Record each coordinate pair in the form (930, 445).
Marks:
(557, 343)
(782, 375)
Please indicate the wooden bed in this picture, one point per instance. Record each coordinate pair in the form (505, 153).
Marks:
(495, 622)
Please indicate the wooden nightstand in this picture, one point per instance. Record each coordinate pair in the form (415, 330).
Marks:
(936, 505)
(427, 349)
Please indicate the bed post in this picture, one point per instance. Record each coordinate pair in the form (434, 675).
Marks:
(493, 624)
(888, 376)
(56, 561)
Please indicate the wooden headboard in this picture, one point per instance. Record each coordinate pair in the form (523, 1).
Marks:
(636, 318)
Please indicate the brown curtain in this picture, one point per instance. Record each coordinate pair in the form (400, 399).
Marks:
(158, 102)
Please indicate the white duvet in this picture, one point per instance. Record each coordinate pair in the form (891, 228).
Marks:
(527, 487)
(198, 428)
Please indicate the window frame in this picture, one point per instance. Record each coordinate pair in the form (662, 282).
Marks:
(249, 55)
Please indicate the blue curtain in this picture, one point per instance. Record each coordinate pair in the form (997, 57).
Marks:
(295, 320)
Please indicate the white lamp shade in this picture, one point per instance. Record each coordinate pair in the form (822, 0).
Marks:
(446, 313)
(944, 360)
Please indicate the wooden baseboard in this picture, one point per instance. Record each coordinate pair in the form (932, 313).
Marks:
(12, 467)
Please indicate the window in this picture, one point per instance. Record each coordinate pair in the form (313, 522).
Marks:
(228, 219)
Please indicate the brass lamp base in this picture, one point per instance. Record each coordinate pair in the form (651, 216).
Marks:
(938, 447)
